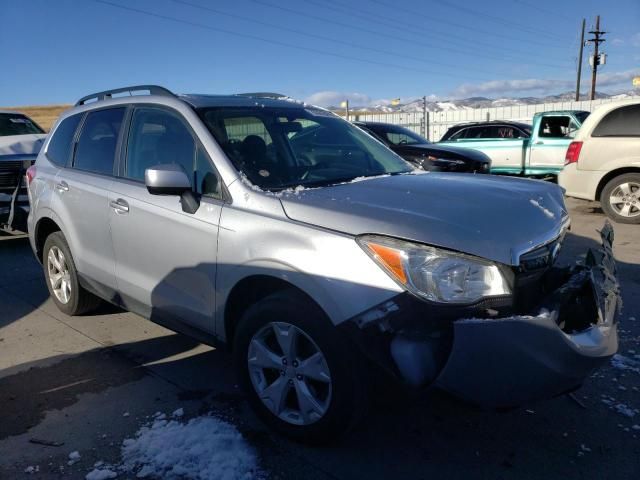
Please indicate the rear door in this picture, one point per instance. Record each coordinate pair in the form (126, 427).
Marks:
(82, 197)
(165, 258)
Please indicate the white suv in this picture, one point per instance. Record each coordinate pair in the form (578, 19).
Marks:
(603, 161)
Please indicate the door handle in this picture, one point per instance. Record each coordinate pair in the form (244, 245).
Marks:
(62, 187)
(119, 205)
(539, 142)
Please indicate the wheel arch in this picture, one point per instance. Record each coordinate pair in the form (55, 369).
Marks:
(611, 175)
(44, 227)
(250, 290)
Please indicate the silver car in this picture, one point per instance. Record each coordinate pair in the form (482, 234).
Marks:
(317, 255)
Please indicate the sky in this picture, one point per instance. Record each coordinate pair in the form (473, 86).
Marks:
(321, 51)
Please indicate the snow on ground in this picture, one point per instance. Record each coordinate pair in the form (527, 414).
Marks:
(625, 363)
(203, 448)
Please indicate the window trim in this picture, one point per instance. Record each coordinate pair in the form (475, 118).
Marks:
(116, 153)
(120, 174)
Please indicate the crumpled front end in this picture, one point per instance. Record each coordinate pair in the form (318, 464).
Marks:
(493, 355)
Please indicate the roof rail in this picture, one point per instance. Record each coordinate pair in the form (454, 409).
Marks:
(153, 90)
(262, 95)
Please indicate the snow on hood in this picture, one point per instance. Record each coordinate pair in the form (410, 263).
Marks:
(483, 215)
(21, 144)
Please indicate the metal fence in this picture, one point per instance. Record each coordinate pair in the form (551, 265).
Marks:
(437, 123)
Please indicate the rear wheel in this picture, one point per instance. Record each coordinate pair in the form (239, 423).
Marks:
(62, 278)
(620, 198)
(298, 372)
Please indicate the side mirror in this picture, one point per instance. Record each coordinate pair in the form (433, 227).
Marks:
(170, 179)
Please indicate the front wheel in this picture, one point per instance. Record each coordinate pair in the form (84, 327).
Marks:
(298, 372)
(620, 198)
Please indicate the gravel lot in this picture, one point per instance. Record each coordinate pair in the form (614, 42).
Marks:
(90, 382)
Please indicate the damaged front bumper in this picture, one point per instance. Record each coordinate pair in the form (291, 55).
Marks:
(498, 360)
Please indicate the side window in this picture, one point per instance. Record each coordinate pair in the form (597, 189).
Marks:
(399, 138)
(507, 132)
(555, 127)
(621, 122)
(462, 133)
(59, 148)
(158, 137)
(97, 143)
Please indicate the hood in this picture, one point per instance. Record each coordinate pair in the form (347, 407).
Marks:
(496, 218)
(445, 151)
(21, 145)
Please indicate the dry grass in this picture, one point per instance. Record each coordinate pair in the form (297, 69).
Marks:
(45, 116)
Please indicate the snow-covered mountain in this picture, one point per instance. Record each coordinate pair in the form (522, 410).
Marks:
(481, 102)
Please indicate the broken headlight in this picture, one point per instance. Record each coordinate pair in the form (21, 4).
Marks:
(434, 274)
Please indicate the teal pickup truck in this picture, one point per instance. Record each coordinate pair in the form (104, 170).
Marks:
(520, 149)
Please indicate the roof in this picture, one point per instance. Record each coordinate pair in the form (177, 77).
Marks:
(493, 122)
(243, 100)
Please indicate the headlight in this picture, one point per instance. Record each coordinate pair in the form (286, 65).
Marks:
(434, 274)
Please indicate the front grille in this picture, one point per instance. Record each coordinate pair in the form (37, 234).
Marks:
(11, 166)
(10, 171)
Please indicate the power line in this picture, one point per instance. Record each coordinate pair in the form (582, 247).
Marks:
(465, 43)
(410, 41)
(268, 40)
(500, 20)
(322, 37)
(472, 28)
(546, 11)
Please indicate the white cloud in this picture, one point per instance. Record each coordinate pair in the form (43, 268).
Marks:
(635, 40)
(616, 42)
(328, 98)
(538, 85)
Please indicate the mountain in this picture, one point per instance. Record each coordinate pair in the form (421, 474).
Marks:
(480, 102)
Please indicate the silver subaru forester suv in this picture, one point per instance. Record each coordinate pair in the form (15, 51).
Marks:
(319, 257)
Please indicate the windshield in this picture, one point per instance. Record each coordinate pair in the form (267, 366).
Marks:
(395, 135)
(278, 148)
(17, 124)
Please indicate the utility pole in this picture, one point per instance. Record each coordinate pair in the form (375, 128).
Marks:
(424, 116)
(346, 110)
(596, 40)
(580, 61)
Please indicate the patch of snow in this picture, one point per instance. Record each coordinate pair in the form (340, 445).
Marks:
(546, 211)
(101, 474)
(74, 457)
(178, 413)
(31, 469)
(204, 447)
(584, 448)
(625, 410)
(625, 363)
(125, 414)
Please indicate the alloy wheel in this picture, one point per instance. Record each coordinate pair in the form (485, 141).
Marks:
(289, 373)
(625, 199)
(59, 276)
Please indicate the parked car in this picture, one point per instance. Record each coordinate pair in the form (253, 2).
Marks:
(541, 154)
(424, 154)
(490, 129)
(603, 161)
(20, 142)
(318, 256)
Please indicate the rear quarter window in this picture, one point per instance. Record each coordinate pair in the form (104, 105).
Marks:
(621, 122)
(59, 148)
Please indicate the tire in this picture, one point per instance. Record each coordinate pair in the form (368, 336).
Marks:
(625, 189)
(341, 400)
(69, 297)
